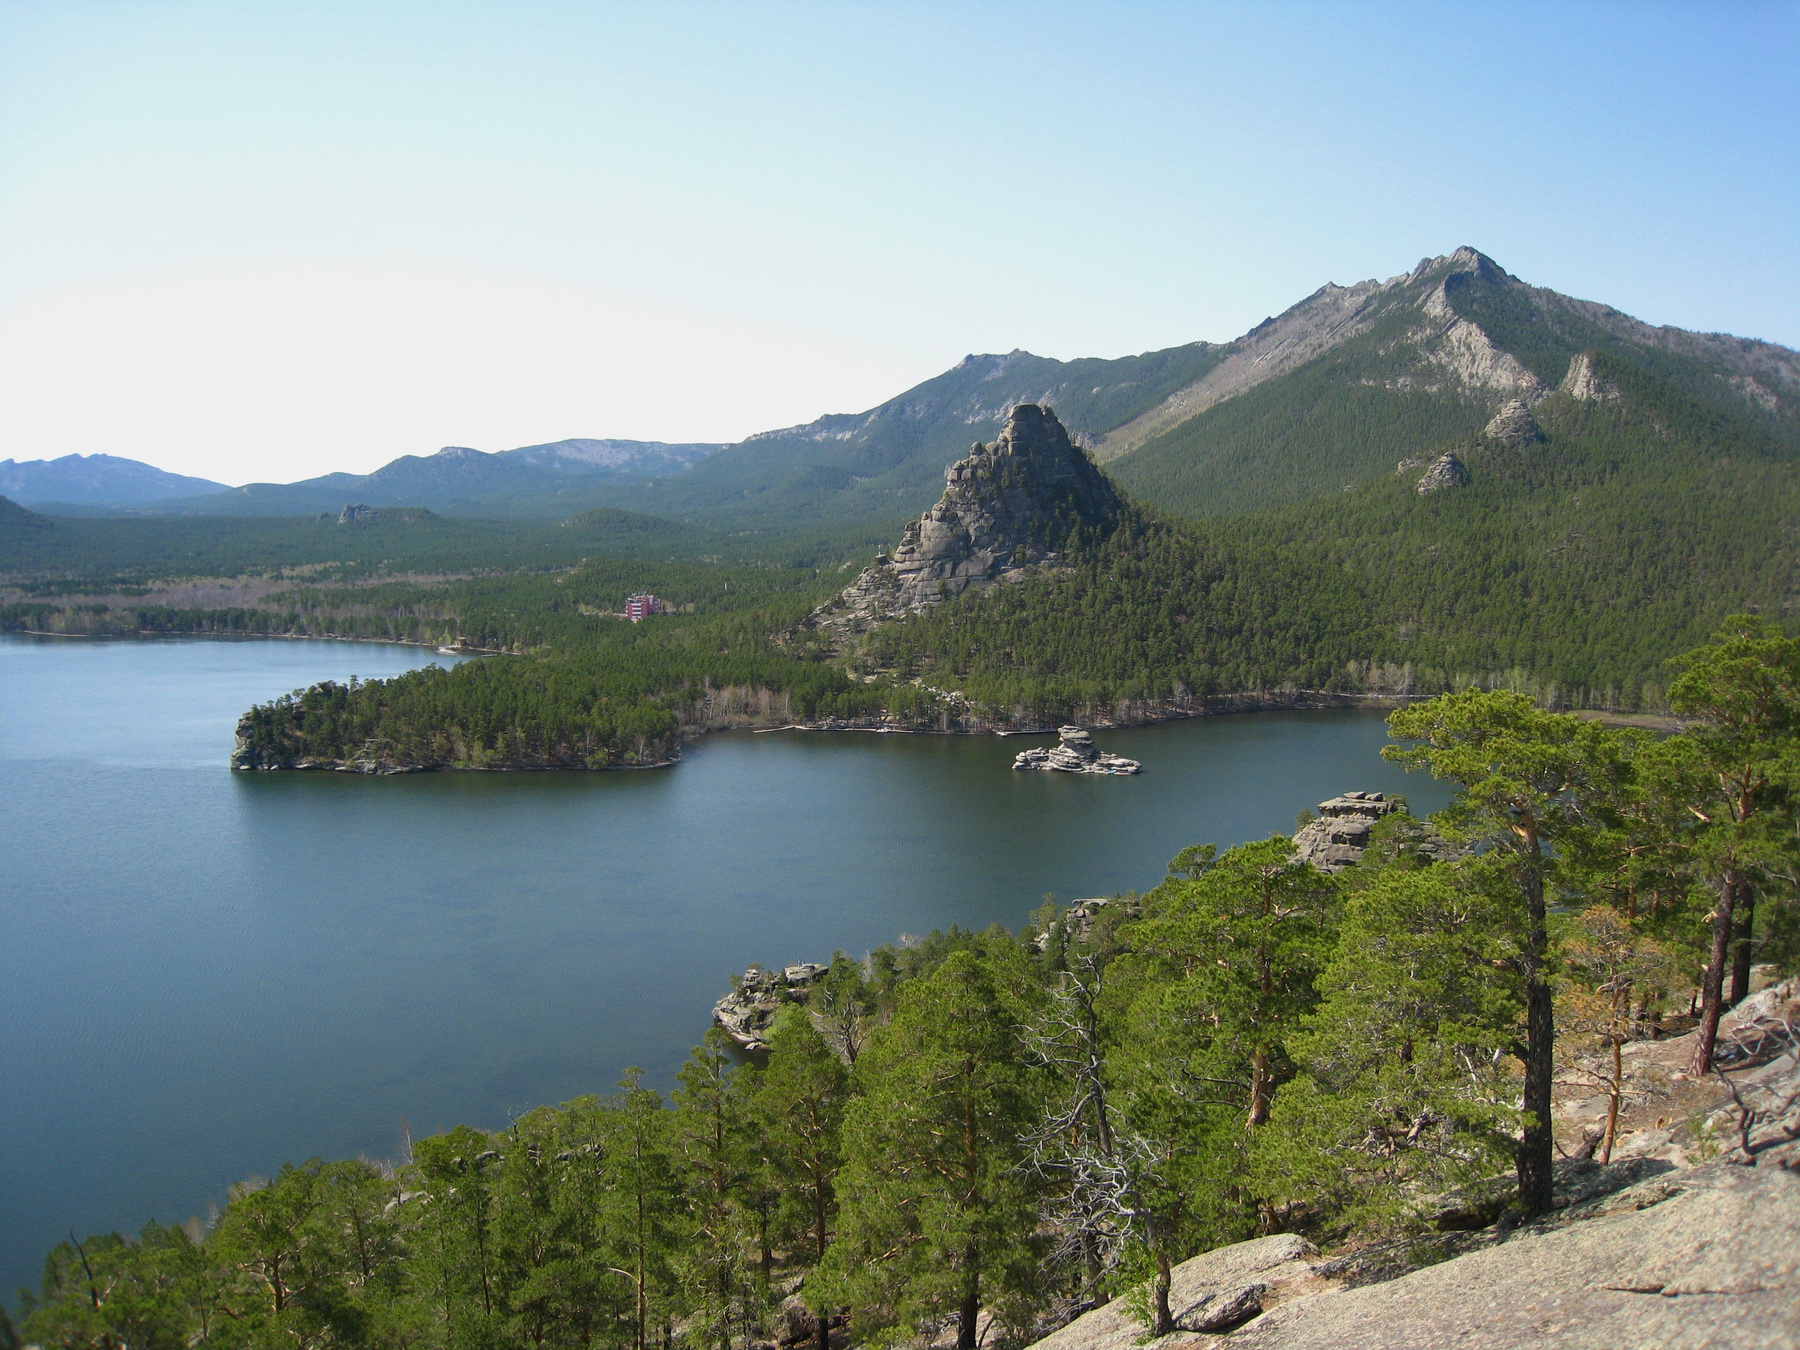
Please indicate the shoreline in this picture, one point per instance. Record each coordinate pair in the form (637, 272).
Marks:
(261, 637)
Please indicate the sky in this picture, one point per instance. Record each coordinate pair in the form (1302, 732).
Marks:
(259, 241)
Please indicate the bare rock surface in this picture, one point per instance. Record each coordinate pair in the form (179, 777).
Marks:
(1514, 426)
(1336, 840)
(1230, 1282)
(1076, 754)
(1005, 508)
(748, 1012)
(1446, 471)
(1586, 384)
(1714, 1264)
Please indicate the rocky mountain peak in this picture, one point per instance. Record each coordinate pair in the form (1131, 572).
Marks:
(1006, 507)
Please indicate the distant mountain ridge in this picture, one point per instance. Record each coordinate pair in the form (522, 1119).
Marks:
(1332, 392)
(1338, 388)
(96, 480)
(534, 480)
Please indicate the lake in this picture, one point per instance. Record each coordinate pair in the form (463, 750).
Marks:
(209, 973)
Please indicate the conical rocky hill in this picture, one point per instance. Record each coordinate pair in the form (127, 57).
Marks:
(1006, 507)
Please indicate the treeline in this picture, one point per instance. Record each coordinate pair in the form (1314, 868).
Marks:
(1568, 569)
(979, 1136)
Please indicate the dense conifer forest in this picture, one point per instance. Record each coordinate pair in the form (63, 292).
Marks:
(971, 1137)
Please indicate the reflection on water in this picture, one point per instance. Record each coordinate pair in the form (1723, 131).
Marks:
(213, 973)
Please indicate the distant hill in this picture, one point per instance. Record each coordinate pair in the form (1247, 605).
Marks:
(96, 480)
(15, 517)
(544, 481)
(1352, 379)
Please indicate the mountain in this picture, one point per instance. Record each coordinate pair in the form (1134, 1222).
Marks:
(1006, 508)
(878, 467)
(1329, 394)
(1567, 549)
(614, 459)
(1352, 379)
(550, 480)
(96, 480)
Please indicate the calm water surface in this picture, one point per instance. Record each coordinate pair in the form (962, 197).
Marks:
(208, 973)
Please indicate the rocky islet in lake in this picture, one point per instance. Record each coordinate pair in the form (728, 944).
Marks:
(1077, 753)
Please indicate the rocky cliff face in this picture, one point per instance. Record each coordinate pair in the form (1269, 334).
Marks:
(1006, 507)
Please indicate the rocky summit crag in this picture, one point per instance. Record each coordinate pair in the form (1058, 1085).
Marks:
(1006, 507)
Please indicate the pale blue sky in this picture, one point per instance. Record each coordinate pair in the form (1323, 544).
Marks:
(265, 240)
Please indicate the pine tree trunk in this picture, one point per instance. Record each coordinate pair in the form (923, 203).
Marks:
(1712, 995)
(1743, 935)
(971, 1304)
(1535, 1153)
(1612, 1103)
(1159, 1297)
(1259, 1084)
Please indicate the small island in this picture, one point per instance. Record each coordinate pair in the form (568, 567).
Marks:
(1076, 754)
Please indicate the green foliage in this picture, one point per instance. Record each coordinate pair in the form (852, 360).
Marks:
(1568, 570)
(988, 1132)
(938, 1216)
(1407, 1088)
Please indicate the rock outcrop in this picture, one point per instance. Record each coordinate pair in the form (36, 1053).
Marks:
(1513, 426)
(1005, 508)
(1446, 471)
(1076, 923)
(749, 1010)
(1698, 1258)
(1076, 754)
(1586, 384)
(1339, 836)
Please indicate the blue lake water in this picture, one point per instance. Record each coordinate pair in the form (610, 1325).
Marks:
(206, 974)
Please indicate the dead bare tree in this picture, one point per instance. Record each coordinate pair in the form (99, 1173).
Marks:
(1096, 1168)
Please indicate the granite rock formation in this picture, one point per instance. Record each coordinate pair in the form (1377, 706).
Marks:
(1005, 508)
(749, 1010)
(1587, 385)
(1339, 836)
(1697, 1258)
(1077, 921)
(1076, 754)
(1446, 471)
(1514, 426)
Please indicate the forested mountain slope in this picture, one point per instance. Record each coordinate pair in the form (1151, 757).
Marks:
(1591, 541)
(1337, 389)
(885, 464)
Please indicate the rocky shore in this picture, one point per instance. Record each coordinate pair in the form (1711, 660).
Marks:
(750, 1009)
